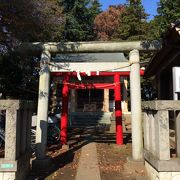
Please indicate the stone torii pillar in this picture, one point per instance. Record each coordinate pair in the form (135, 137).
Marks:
(41, 160)
(136, 119)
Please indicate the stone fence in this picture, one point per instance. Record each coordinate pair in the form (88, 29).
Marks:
(157, 151)
(16, 161)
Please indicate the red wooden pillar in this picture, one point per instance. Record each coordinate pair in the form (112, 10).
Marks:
(118, 111)
(64, 113)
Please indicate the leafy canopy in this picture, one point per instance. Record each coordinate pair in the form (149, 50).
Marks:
(168, 12)
(80, 15)
(133, 24)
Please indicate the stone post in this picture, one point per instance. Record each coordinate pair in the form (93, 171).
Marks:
(106, 100)
(136, 119)
(73, 100)
(147, 134)
(161, 135)
(177, 130)
(10, 136)
(124, 94)
(42, 110)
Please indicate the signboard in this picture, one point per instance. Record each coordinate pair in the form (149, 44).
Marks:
(7, 166)
(176, 79)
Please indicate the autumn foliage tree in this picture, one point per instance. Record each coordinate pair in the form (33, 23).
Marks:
(107, 22)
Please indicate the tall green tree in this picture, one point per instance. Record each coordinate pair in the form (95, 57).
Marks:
(133, 24)
(80, 15)
(168, 12)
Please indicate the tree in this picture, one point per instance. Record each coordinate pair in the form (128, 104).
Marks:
(106, 23)
(25, 20)
(168, 12)
(18, 76)
(33, 20)
(133, 24)
(80, 15)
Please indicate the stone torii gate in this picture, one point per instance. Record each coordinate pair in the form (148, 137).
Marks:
(48, 49)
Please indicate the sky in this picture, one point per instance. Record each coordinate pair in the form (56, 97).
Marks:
(149, 5)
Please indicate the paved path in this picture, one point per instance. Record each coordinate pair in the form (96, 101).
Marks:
(88, 168)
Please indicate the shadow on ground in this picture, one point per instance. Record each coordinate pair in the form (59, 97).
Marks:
(78, 138)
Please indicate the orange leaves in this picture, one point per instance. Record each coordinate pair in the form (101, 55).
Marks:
(107, 22)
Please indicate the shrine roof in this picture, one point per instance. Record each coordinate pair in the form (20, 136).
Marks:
(168, 56)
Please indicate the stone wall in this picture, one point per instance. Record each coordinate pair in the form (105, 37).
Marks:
(16, 163)
(160, 163)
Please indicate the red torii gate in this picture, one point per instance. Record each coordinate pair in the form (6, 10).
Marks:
(117, 97)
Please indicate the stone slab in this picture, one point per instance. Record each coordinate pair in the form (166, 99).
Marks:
(172, 165)
(7, 175)
(16, 104)
(88, 168)
(161, 105)
(175, 175)
(153, 174)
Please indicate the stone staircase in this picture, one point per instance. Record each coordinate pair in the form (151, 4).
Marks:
(87, 119)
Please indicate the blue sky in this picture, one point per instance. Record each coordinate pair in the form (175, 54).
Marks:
(149, 5)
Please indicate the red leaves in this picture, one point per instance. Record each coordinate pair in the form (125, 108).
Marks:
(107, 22)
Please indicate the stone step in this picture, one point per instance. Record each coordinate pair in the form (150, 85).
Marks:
(89, 122)
(89, 118)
